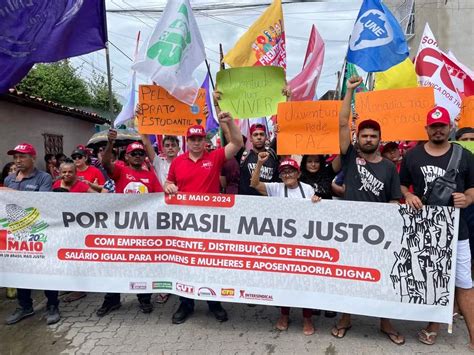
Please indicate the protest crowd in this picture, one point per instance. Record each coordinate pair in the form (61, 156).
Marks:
(367, 168)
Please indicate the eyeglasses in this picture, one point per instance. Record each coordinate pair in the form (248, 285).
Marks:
(76, 157)
(137, 153)
(288, 173)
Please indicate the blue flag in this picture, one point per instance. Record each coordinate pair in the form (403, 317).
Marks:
(377, 42)
(47, 31)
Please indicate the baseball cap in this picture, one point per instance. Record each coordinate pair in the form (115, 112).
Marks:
(369, 124)
(388, 146)
(256, 127)
(23, 148)
(79, 151)
(438, 114)
(288, 163)
(196, 131)
(134, 146)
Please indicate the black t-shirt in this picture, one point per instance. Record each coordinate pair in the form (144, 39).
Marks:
(248, 162)
(320, 181)
(370, 182)
(420, 168)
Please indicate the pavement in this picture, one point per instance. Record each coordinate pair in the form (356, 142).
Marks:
(248, 331)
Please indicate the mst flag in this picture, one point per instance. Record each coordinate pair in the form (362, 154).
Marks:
(377, 41)
(46, 31)
(173, 52)
(303, 85)
(432, 71)
(263, 43)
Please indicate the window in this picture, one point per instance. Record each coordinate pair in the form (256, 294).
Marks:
(53, 143)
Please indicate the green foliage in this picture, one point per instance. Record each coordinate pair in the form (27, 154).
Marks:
(57, 82)
(61, 83)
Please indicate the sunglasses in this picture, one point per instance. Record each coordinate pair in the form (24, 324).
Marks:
(137, 153)
(76, 157)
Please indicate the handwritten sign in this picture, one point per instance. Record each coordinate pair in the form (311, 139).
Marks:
(161, 113)
(308, 127)
(401, 113)
(249, 92)
(466, 118)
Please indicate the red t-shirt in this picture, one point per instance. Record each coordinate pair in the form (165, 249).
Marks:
(131, 181)
(200, 176)
(90, 174)
(78, 186)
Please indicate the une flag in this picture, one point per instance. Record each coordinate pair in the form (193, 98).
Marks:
(303, 86)
(46, 31)
(432, 71)
(399, 76)
(173, 52)
(377, 42)
(263, 43)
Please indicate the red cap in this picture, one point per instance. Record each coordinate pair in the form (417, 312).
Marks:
(438, 115)
(134, 146)
(369, 124)
(257, 127)
(196, 131)
(23, 148)
(288, 163)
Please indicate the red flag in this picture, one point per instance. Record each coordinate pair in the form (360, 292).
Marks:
(461, 76)
(303, 85)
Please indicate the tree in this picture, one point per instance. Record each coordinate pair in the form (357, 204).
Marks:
(57, 82)
(99, 89)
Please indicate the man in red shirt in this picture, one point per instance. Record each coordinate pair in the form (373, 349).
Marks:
(198, 171)
(131, 179)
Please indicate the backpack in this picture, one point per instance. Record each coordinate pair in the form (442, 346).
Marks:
(440, 190)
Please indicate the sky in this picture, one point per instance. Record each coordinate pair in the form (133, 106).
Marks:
(333, 19)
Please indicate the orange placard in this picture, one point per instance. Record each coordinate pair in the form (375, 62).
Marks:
(466, 118)
(161, 113)
(308, 127)
(401, 113)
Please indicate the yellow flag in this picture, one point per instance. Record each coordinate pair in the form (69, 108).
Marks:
(263, 43)
(399, 76)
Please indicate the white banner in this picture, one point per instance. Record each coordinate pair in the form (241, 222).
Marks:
(373, 259)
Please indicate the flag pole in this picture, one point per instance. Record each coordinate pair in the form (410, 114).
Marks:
(210, 75)
(107, 60)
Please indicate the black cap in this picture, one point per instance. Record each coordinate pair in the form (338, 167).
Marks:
(79, 152)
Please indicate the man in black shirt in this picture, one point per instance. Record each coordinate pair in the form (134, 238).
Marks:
(368, 177)
(421, 166)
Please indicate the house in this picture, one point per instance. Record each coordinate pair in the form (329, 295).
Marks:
(49, 126)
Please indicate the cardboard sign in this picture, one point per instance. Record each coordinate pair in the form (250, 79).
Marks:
(250, 92)
(161, 113)
(308, 127)
(466, 118)
(401, 113)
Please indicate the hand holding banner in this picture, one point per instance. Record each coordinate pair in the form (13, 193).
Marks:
(401, 113)
(308, 127)
(161, 113)
(251, 91)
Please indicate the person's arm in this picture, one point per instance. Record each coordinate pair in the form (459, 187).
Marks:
(345, 114)
(235, 137)
(170, 186)
(405, 181)
(91, 190)
(148, 147)
(94, 185)
(336, 164)
(255, 179)
(107, 157)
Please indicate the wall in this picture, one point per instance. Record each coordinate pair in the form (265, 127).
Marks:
(25, 124)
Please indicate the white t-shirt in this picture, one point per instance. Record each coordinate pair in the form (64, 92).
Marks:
(277, 189)
(161, 166)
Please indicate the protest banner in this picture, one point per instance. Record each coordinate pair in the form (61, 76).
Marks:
(401, 113)
(161, 113)
(469, 145)
(332, 255)
(251, 92)
(308, 127)
(466, 118)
